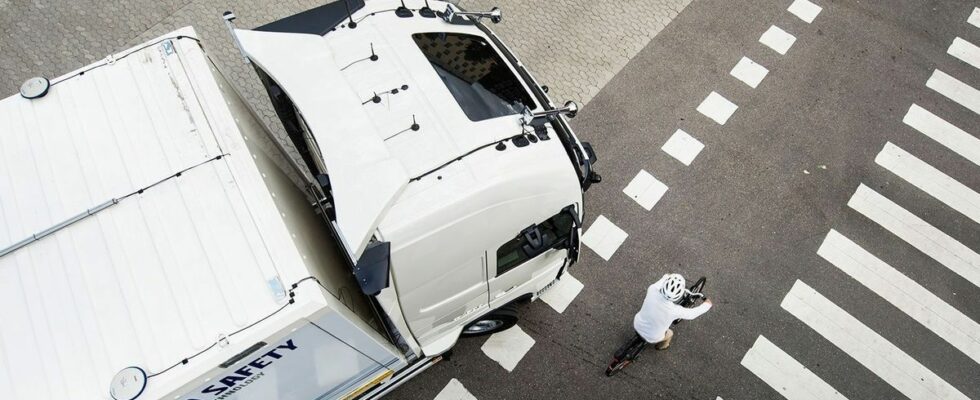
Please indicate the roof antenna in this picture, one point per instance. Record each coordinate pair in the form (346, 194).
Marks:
(351, 24)
(403, 12)
(415, 125)
(426, 11)
(374, 57)
(376, 99)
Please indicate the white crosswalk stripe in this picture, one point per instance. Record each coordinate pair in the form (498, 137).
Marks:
(865, 346)
(955, 90)
(965, 51)
(944, 132)
(918, 233)
(931, 180)
(975, 18)
(902, 292)
(786, 375)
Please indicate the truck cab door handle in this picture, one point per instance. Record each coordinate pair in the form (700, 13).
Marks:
(501, 294)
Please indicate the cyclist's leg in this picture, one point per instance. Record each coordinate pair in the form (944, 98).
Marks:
(664, 344)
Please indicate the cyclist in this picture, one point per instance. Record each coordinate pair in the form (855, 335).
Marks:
(660, 310)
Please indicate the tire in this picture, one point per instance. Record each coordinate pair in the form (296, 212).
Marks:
(495, 321)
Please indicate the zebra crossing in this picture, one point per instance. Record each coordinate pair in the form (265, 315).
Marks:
(792, 379)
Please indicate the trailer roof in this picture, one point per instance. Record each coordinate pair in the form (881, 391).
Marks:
(173, 238)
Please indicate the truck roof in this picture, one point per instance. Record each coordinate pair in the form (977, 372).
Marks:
(373, 158)
(136, 227)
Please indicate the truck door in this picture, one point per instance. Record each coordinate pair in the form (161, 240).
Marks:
(535, 251)
(441, 287)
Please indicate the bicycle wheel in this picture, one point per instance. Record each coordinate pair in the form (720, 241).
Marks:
(625, 355)
(616, 366)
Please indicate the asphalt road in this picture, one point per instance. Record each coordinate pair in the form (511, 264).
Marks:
(749, 213)
(753, 208)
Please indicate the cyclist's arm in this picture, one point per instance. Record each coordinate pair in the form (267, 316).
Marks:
(691, 313)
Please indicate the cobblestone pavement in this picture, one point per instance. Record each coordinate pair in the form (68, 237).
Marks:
(574, 46)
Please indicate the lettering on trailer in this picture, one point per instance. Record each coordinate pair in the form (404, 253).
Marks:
(244, 375)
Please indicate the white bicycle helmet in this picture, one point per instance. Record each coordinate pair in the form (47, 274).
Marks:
(673, 287)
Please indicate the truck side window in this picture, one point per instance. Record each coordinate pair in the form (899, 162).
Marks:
(555, 232)
(475, 74)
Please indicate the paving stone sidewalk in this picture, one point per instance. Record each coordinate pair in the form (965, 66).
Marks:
(573, 46)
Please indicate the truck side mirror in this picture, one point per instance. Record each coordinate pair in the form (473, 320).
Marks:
(534, 241)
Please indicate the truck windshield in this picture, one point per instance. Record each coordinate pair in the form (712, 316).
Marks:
(475, 74)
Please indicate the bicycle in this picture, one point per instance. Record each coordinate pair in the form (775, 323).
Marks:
(630, 351)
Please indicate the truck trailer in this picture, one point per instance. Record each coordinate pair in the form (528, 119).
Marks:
(156, 244)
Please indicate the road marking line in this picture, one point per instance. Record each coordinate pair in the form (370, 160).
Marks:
(975, 18)
(931, 180)
(966, 51)
(645, 190)
(944, 132)
(918, 233)
(865, 346)
(777, 39)
(955, 90)
(717, 107)
(683, 147)
(604, 237)
(454, 390)
(750, 72)
(507, 348)
(904, 293)
(561, 294)
(804, 9)
(786, 375)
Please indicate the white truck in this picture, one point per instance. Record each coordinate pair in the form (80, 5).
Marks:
(151, 247)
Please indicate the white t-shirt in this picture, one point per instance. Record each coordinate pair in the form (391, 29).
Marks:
(658, 313)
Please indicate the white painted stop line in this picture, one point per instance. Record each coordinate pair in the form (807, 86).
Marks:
(561, 294)
(507, 348)
(918, 233)
(454, 390)
(717, 107)
(945, 133)
(904, 293)
(961, 93)
(804, 9)
(682, 146)
(931, 180)
(604, 237)
(645, 189)
(965, 51)
(866, 347)
(786, 375)
(750, 72)
(777, 39)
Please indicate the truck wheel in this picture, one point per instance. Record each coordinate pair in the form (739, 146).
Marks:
(495, 321)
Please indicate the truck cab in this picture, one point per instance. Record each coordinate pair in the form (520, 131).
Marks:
(452, 180)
